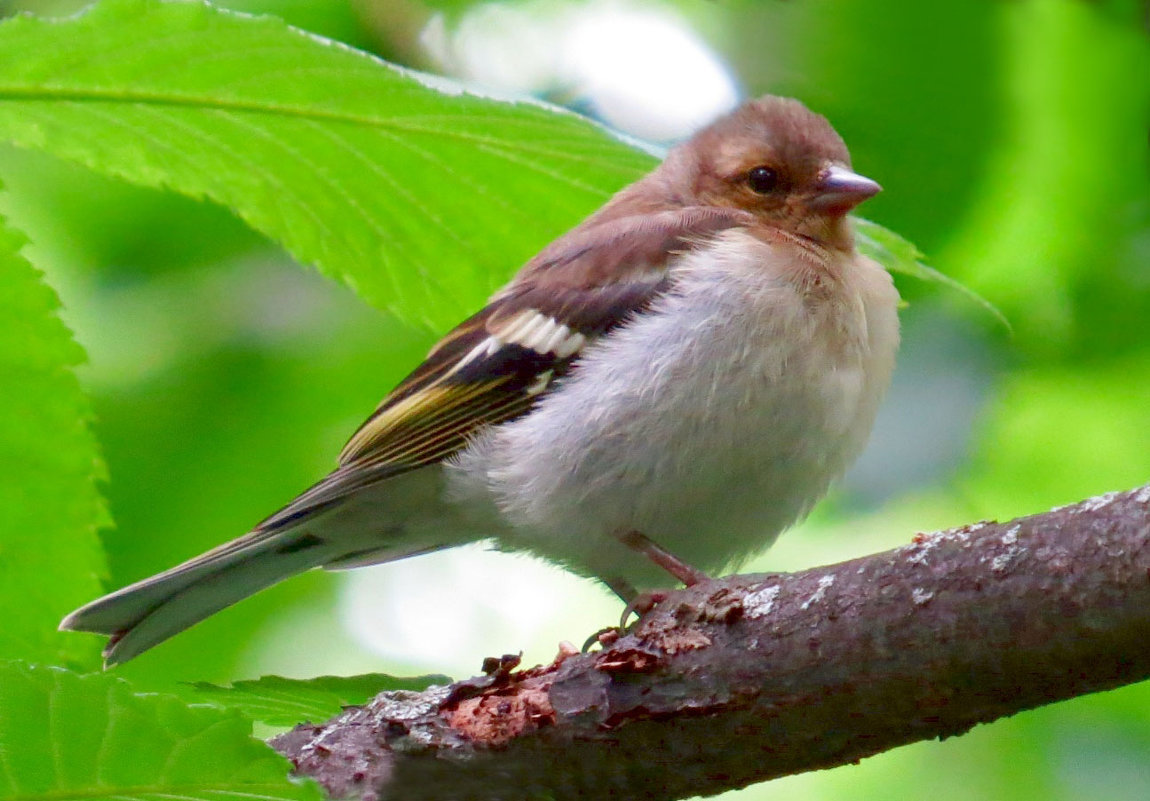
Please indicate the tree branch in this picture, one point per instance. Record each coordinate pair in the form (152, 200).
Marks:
(747, 678)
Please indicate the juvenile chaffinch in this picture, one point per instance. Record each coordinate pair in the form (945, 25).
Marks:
(661, 390)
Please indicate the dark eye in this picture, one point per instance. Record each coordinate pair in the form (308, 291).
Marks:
(763, 179)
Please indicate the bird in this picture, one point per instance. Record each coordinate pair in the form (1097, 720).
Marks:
(652, 398)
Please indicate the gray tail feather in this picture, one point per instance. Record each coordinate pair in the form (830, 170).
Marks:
(148, 612)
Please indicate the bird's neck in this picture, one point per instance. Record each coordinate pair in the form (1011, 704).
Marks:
(829, 231)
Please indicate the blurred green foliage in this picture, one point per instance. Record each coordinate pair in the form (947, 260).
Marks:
(1011, 140)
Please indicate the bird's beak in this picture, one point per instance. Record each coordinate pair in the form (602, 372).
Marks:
(839, 190)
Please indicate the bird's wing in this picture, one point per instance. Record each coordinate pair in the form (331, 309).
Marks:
(497, 364)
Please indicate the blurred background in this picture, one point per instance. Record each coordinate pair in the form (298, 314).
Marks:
(1011, 138)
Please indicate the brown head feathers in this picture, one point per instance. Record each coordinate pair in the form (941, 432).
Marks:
(771, 157)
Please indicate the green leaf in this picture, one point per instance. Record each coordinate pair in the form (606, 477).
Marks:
(66, 736)
(277, 701)
(50, 556)
(423, 197)
(900, 256)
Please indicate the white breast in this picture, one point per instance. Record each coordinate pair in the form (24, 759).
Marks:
(709, 424)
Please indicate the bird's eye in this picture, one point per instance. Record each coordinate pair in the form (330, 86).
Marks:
(763, 179)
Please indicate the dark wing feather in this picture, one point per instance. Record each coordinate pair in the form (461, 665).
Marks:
(496, 365)
(487, 374)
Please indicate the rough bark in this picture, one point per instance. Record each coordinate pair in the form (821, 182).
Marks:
(751, 677)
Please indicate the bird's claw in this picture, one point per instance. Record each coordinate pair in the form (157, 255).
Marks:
(641, 604)
(604, 637)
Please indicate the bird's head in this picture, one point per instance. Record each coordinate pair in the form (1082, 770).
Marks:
(778, 160)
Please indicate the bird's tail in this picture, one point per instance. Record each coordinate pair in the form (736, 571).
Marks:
(350, 518)
(148, 612)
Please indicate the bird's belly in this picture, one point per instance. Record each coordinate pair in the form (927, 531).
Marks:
(707, 427)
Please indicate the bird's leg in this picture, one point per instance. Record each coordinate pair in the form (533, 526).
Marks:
(621, 587)
(643, 602)
(640, 542)
(640, 603)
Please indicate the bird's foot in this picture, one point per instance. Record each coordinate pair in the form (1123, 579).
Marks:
(604, 637)
(641, 604)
